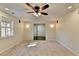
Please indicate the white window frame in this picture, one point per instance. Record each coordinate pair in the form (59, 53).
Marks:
(6, 27)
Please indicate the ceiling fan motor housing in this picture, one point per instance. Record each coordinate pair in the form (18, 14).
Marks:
(37, 9)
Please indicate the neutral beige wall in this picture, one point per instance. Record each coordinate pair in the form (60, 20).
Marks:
(50, 32)
(28, 31)
(67, 31)
(6, 43)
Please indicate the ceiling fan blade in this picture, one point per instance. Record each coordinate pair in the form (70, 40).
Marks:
(30, 12)
(43, 13)
(45, 7)
(29, 5)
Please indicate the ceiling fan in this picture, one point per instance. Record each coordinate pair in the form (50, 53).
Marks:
(38, 10)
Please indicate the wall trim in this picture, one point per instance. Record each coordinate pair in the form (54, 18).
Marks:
(68, 48)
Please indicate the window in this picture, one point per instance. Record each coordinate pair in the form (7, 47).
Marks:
(6, 28)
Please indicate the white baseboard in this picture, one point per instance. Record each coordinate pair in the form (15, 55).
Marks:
(68, 48)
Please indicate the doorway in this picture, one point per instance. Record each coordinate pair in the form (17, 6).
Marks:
(39, 32)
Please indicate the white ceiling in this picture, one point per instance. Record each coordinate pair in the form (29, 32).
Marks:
(55, 10)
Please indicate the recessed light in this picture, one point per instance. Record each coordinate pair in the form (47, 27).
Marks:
(7, 9)
(69, 7)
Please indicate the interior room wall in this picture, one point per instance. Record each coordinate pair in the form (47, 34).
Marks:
(28, 31)
(67, 31)
(50, 32)
(9, 42)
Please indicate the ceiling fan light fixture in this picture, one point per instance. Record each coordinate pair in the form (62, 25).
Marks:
(35, 14)
(39, 14)
(37, 9)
